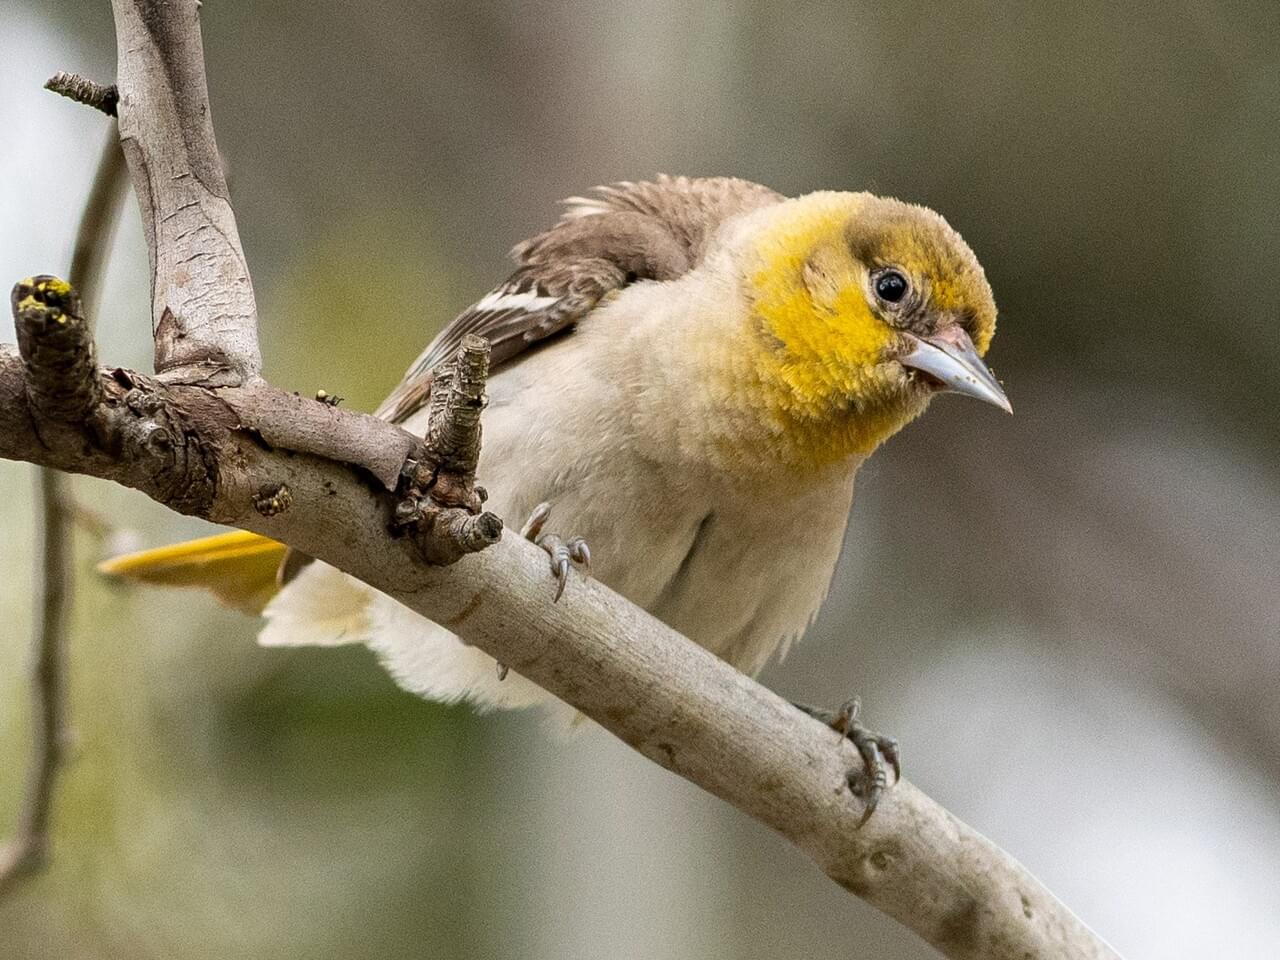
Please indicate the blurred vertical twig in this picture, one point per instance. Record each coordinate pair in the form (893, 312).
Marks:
(27, 849)
(98, 223)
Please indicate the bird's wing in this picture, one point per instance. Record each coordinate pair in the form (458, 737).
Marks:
(655, 230)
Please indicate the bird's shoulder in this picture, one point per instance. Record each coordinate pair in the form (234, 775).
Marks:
(611, 237)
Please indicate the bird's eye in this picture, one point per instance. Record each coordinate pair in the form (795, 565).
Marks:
(891, 286)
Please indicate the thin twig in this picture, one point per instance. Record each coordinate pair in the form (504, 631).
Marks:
(98, 222)
(28, 849)
(83, 90)
(457, 398)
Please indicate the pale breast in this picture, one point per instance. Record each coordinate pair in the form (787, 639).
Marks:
(757, 572)
(737, 569)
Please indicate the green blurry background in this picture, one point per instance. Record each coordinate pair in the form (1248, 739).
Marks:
(1071, 618)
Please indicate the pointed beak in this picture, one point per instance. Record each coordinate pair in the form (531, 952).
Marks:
(949, 356)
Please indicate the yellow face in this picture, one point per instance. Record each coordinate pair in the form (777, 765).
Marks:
(842, 285)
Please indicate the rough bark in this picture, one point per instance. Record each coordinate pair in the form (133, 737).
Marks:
(203, 317)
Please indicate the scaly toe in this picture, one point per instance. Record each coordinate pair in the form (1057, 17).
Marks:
(871, 781)
(563, 553)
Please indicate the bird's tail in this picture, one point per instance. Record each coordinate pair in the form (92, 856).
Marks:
(321, 606)
(238, 568)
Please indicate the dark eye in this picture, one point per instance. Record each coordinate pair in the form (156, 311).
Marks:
(891, 286)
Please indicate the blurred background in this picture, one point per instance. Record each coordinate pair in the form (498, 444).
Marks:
(1071, 617)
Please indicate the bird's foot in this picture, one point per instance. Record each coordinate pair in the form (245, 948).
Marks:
(563, 552)
(870, 782)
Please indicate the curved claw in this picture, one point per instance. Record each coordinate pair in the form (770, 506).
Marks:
(870, 782)
(561, 559)
(889, 747)
(846, 716)
(533, 526)
(580, 553)
(560, 570)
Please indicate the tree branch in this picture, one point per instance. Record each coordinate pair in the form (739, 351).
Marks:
(203, 316)
(179, 439)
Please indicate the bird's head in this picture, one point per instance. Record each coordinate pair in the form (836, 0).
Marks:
(862, 309)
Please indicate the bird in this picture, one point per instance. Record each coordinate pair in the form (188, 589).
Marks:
(686, 375)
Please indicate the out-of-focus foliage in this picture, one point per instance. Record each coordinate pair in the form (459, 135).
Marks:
(1070, 618)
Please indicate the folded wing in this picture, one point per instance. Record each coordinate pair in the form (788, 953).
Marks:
(618, 235)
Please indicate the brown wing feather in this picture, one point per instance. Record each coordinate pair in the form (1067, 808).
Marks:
(621, 233)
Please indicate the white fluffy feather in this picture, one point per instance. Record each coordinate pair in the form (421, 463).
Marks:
(426, 659)
(322, 607)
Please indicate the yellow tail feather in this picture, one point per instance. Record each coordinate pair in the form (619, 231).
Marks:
(239, 568)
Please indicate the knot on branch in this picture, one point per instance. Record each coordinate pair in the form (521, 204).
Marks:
(78, 88)
(56, 343)
(273, 499)
(146, 426)
(441, 501)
